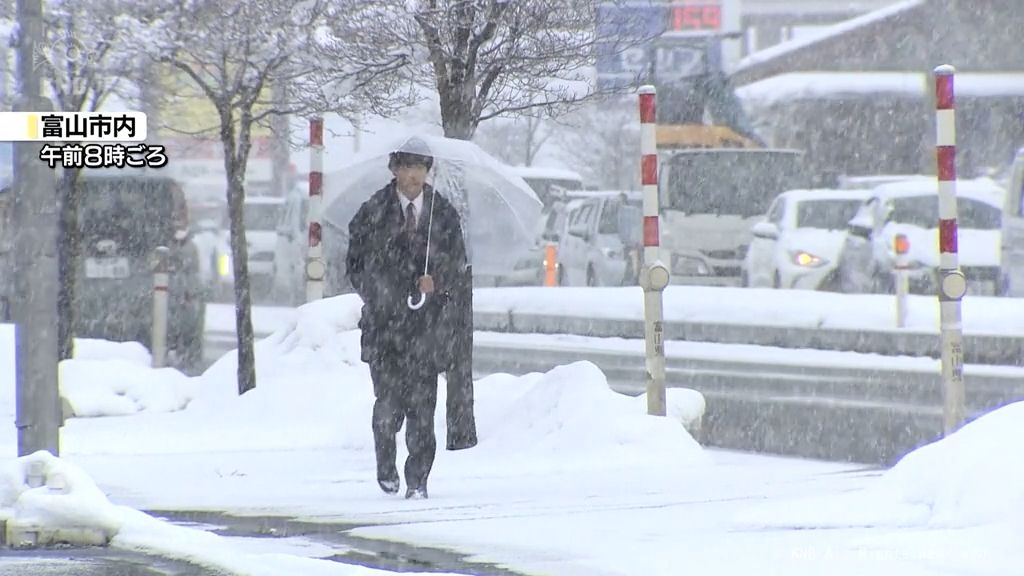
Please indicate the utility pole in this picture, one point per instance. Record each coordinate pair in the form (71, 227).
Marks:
(39, 415)
(280, 137)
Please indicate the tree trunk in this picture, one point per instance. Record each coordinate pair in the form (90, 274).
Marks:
(69, 251)
(234, 165)
(457, 116)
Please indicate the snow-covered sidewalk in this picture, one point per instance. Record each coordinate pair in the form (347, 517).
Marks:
(569, 477)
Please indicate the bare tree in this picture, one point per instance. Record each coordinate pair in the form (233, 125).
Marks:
(601, 141)
(515, 142)
(234, 51)
(491, 58)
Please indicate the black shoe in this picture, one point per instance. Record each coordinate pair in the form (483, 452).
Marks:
(416, 493)
(389, 486)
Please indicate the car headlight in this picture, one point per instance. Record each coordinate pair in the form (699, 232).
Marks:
(806, 259)
(223, 264)
(688, 265)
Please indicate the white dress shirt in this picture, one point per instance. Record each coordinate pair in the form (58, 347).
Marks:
(417, 205)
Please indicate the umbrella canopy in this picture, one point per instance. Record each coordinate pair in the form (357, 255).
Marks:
(499, 210)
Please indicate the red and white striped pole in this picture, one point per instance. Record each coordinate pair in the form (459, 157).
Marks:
(655, 276)
(315, 268)
(952, 284)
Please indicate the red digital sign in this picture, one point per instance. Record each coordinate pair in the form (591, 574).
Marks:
(692, 17)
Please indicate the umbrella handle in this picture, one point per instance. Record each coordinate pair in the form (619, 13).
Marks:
(416, 305)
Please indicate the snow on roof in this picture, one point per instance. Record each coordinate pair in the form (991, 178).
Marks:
(875, 180)
(981, 189)
(816, 85)
(545, 172)
(784, 48)
(825, 194)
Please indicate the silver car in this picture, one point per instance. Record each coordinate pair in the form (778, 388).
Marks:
(600, 244)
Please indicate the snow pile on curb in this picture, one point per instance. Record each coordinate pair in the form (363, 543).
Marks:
(45, 500)
(969, 478)
(974, 476)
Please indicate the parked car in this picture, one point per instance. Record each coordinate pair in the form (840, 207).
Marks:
(122, 220)
(1013, 229)
(600, 246)
(799, 242)
(911, 208)
(261, 215)
(290, 249)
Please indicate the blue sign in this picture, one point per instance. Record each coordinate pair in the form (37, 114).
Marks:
(625, 32)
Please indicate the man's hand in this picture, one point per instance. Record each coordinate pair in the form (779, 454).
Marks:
(426, 284)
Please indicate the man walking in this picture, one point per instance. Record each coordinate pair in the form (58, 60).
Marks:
(406, 346)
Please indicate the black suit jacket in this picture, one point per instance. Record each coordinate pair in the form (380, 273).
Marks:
(383, 265)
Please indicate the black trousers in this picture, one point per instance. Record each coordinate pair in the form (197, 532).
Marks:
(404, 393)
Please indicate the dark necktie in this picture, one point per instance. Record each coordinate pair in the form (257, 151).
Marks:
(410, 219)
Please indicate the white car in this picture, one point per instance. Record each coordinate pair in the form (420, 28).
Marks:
(291, 248)
(911, 209)
(261, 216)
(799, 242)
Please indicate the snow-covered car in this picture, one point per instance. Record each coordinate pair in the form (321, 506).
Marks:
(799, 241)
(911, 208)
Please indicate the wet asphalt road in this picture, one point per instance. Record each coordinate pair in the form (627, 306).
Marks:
(92, 562)
(380, 554)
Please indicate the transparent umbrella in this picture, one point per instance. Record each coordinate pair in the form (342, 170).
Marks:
(499, 211)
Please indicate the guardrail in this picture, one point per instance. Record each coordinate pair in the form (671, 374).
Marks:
(978, 349)
(862, 414)
(845, 414)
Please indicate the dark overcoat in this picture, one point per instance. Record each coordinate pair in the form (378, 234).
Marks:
(383, 265)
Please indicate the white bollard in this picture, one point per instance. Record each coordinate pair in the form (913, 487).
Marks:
(952, 284)
(315, 268)
(901, 245)
(161, 280)
(655, 276)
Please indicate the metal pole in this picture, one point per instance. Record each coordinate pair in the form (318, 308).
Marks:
(952, 284)
(314, 256)
(655, 276)
(39, 415)
(160, 282)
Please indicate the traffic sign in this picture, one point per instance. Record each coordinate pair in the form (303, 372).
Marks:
(645, 41)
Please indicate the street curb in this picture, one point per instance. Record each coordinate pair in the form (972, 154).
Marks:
(28, 535)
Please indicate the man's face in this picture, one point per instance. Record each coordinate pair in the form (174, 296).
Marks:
(411, 178)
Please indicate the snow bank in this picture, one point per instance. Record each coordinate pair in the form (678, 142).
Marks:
(103, 379)
(571, 410)
(41, 490)
(974, 476)
(312, 391)
(755, 307)
(971, 477)
(118, 387)
(44, 493)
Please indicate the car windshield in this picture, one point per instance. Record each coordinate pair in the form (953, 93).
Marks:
(742, 182)
(825, 214)
(923, 211)
(136, 214)
(262, 216)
